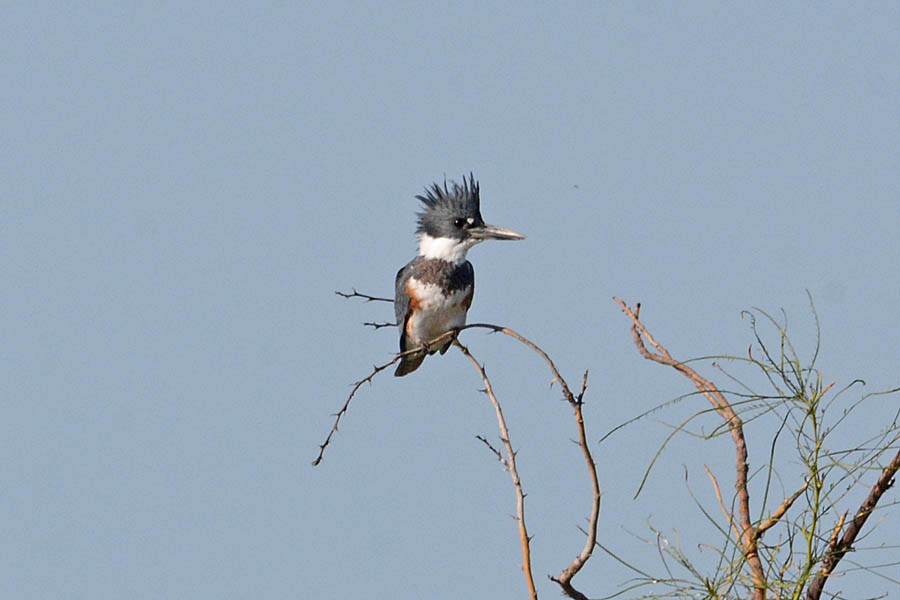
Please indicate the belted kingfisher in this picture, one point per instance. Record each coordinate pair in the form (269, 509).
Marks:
(434, 290)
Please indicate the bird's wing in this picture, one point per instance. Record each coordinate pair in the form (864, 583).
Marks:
(470, 270)
(401, 301)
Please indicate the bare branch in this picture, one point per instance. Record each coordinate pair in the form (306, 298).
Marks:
(496, 452)
(339, 414)
(584, 380)
(575, 402)
(780, 511)
(840, 547)
(748, 538)
(510, 463)
(565, 578)
(836, 532)
(570, 397)
(378, 325)
(728, 516)
(431, 344)
(366, 297)
(368, 379)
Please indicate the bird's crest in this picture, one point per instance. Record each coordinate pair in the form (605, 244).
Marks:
(450, 200)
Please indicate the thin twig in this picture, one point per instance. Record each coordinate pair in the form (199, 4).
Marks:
(748, 538)
(570, 398)
(368, 378)
(841, 546)
(379, 325)
(339, 414)
(366, 297)
(496, 452)
(510, 464)
(836, 532)
(575, 402)
(431, 344)
(728, 516)
(564, 579)
(780, 511)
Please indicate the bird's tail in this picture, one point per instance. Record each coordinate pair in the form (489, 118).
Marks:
(409, 363)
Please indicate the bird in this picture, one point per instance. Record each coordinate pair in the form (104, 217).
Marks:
(434, 291)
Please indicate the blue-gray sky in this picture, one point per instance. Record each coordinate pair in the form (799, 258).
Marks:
(184, 187)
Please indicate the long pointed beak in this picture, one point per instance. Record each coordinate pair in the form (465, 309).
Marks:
(489, 232)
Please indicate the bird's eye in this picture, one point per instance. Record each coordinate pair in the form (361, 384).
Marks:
(459, 223)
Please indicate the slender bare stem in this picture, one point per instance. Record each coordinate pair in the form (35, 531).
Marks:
(493, 450)
(780, 511)
(575, 402)
(725, 511)
(379, 324)
(510, 464)
(748, 538)
(564, 579)
(368, 379)
(339, 414)
(366, 297)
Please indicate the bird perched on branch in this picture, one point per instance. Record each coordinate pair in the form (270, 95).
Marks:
(434, 290)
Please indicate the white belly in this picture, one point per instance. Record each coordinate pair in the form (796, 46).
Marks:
(435, 312)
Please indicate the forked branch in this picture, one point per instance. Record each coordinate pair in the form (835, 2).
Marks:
(575, 402)
(749, 537)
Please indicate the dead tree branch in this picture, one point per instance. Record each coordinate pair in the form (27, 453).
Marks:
(509, 461)
(368, 379)
(725, 511)
(780, 511)
(366, 297)
(576, 403)
(564, 579)
(339, 414)
(841, 545)
(749, 537)
(379, 324)
(493, 450)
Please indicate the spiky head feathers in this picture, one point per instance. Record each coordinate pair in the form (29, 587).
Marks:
(449, 211)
